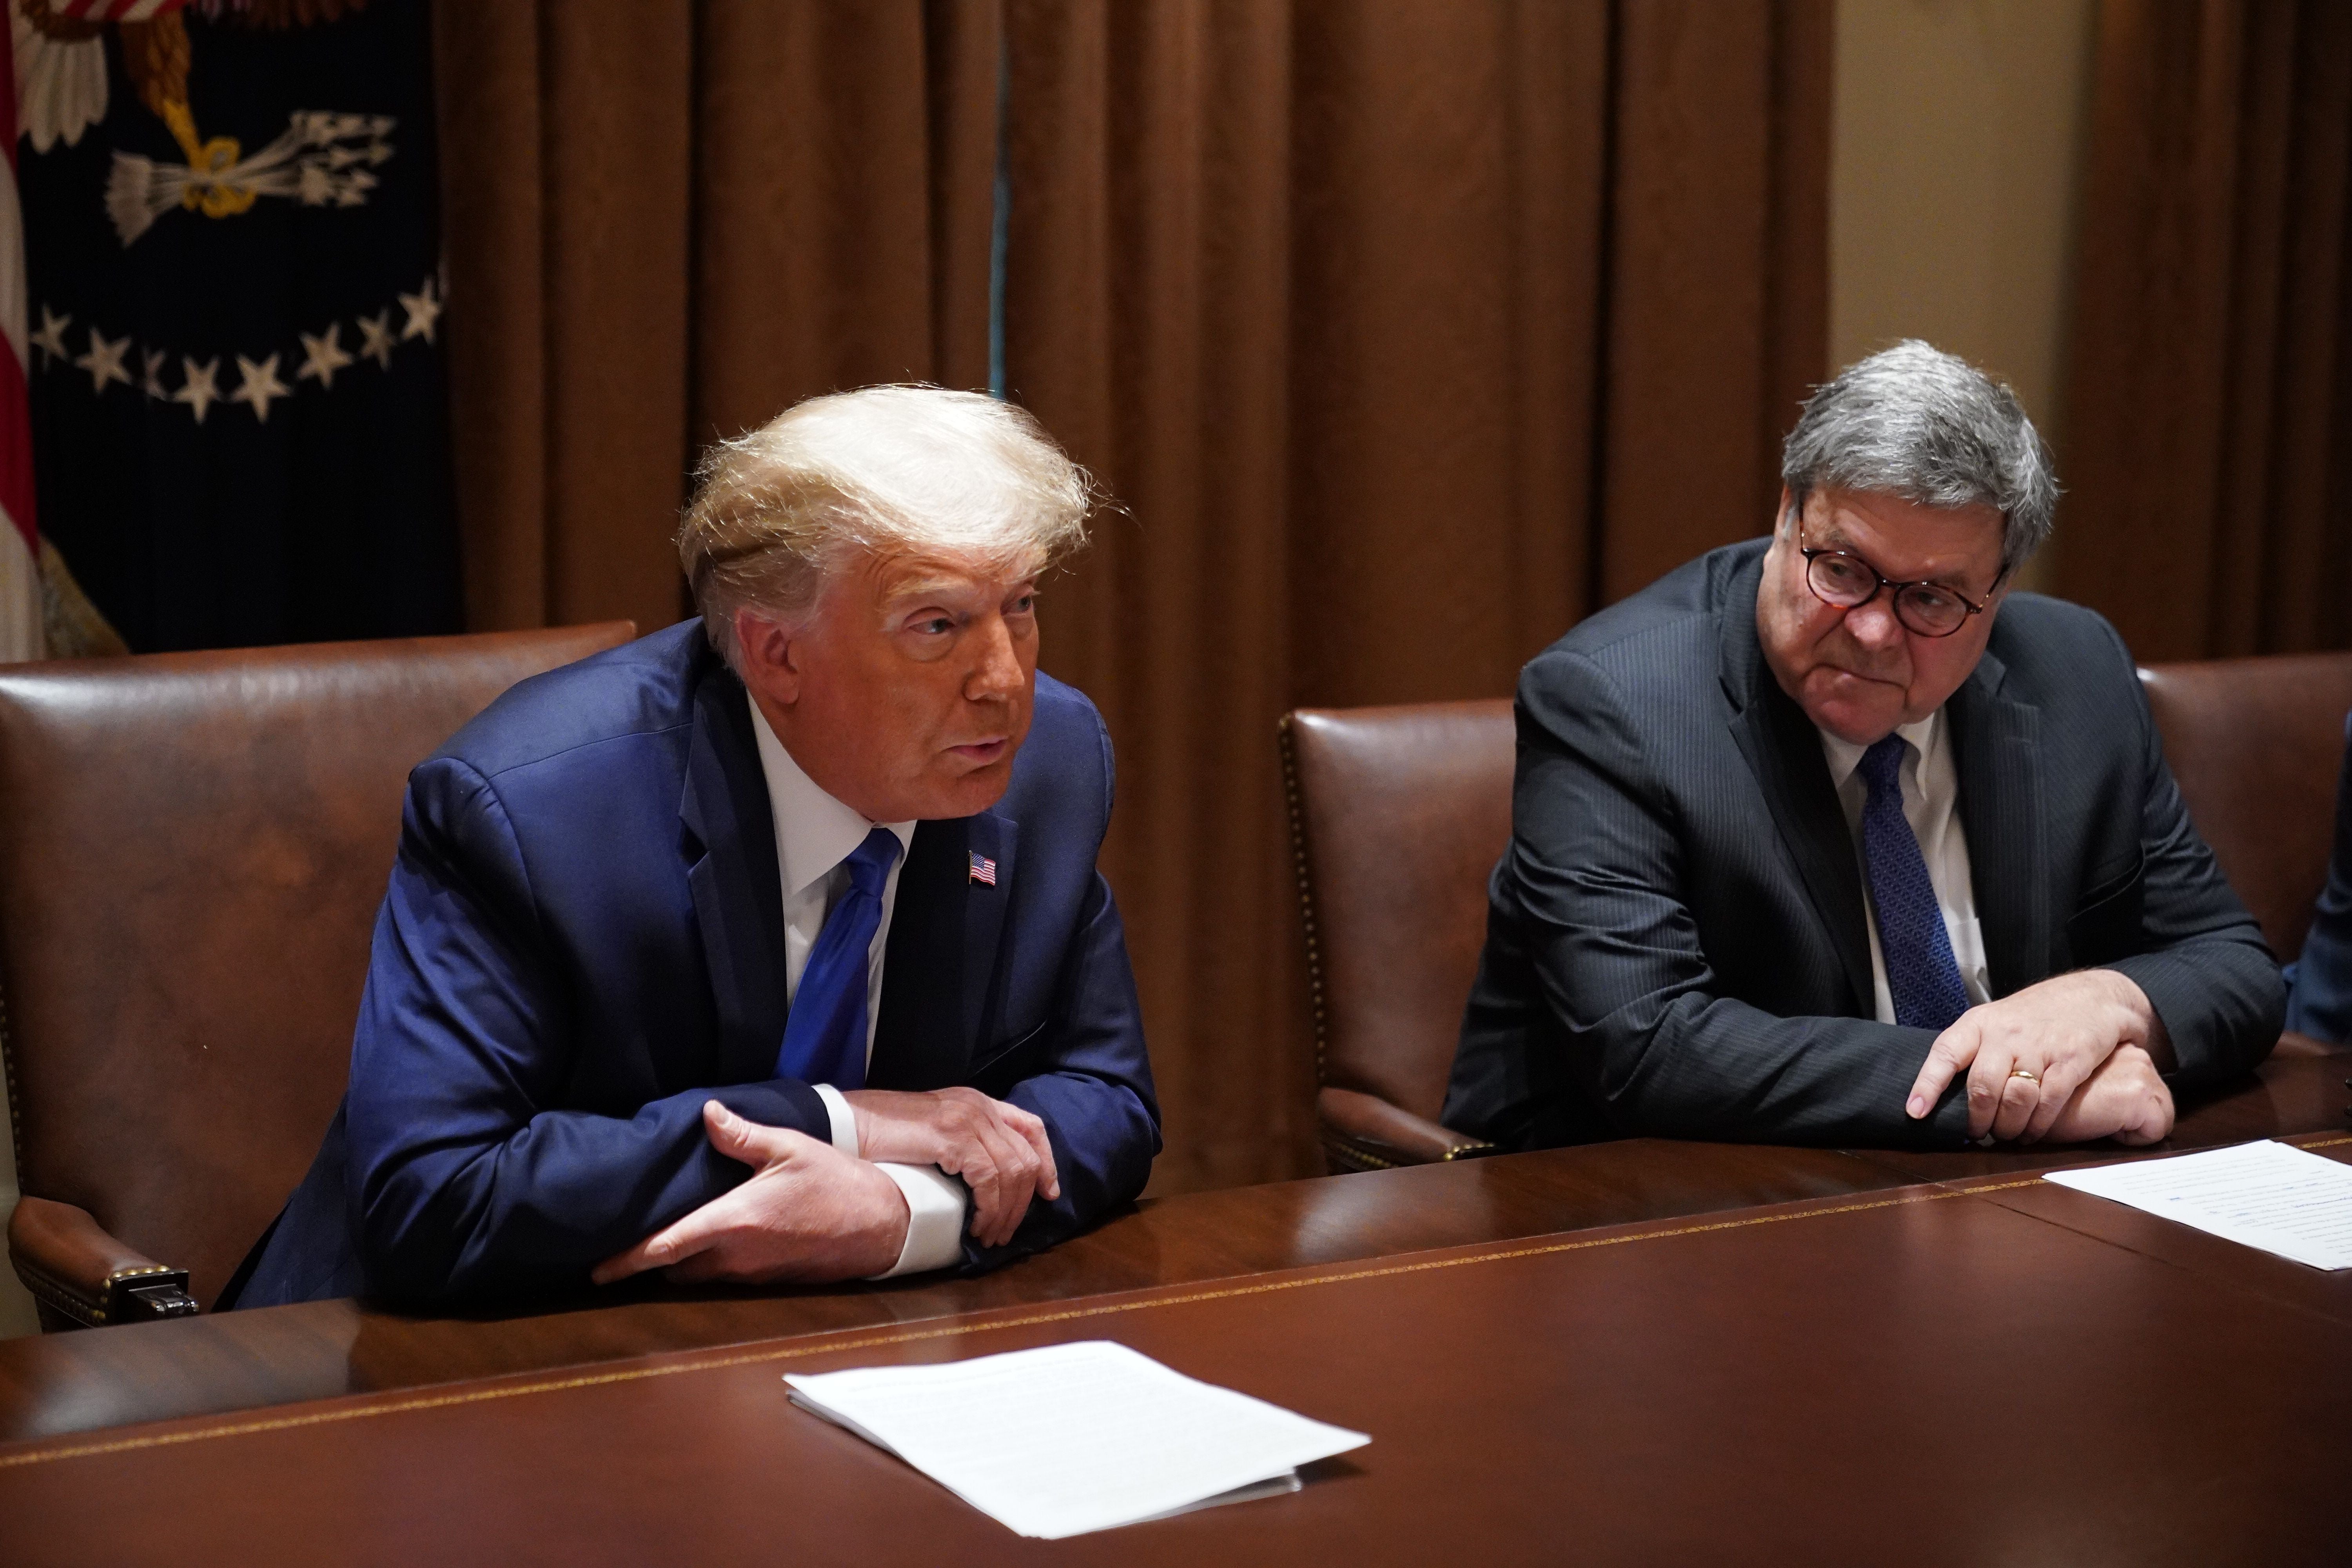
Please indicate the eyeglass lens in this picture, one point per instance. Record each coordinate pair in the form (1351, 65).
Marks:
(1843, 580)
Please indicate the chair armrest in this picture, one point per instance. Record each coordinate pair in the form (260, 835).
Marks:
(1364, 1132)
(74, 1268)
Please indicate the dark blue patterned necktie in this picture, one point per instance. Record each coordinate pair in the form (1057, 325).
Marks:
(1921, 971)
(824, 1033)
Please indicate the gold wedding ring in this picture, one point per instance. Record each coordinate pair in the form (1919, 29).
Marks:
(2028, 1077)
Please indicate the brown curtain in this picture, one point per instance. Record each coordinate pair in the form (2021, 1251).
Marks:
(669, 221)
(1406, 333)
(2209, 455)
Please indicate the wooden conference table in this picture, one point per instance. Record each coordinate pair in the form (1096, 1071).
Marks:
(1643, 1351)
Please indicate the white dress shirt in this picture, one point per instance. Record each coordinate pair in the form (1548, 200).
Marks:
(1931, 798)
(816, 833)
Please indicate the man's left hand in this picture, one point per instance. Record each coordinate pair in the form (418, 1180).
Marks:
(2027, 1054)
(1000, 1150)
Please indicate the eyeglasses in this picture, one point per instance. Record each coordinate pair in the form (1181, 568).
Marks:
(1849, 582)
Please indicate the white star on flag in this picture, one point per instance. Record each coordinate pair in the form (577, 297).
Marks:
(322, 356)
(424, 308)
(375, 338)
(151, 383)
(199, 385)
(51, 338)
(259, 386)
(104, 362)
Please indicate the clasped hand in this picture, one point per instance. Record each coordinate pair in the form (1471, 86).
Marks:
(2092, 1045)
(1000, 1150)
(808, 1212)
(812, 1214)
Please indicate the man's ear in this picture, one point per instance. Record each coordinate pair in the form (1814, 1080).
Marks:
(1780, 514)
(770, 657)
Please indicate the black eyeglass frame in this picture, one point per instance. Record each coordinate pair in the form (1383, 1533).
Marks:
(1813, 552)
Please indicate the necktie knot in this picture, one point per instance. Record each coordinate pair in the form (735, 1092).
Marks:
(1882, 765)
(869, 864)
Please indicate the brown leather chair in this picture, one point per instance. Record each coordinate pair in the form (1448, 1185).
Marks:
(192, 850)
(2256, 744)
(1397, 814)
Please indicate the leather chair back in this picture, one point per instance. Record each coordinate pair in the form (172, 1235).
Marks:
(192, 850)
(1397, 815)
(2257, 746)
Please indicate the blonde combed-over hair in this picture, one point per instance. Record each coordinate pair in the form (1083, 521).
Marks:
(778, 511)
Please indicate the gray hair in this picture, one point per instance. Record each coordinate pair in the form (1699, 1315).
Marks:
(778, 511)
(1914, 422)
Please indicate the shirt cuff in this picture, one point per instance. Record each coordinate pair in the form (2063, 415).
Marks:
(935, 1209)
(844, 1120)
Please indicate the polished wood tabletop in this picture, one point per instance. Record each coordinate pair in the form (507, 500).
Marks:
(1938, 1374)
(1852, 1350)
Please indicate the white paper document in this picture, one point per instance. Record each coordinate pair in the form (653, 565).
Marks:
(1074, 1437)
(2269, 1195)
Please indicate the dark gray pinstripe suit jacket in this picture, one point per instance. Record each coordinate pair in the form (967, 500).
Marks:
(1676, 938)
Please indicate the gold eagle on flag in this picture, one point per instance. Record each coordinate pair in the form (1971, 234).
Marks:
(322, 159)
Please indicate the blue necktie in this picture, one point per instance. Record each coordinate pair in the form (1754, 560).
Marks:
(824, 1033)
(1921, 971)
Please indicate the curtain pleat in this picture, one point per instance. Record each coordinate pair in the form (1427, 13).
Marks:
(2209, 426)
(1404, 333)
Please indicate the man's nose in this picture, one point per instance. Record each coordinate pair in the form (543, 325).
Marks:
(996, 669)
(1874, 624)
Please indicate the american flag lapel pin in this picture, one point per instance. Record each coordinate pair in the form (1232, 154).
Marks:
(984, 871)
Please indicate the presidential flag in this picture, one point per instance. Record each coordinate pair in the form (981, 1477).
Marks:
(240, 427)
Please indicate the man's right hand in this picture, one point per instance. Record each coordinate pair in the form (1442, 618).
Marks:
(808, 1212)
(1000, 1150)
(2124, 1099)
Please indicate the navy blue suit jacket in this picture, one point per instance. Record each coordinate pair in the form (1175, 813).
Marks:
(583, 942)
(1677, 943)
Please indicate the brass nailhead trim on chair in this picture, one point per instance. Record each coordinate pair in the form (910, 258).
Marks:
(63, 1297)
(1288, 748)
(8, 1076)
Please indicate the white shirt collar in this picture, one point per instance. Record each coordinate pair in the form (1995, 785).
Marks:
(1845, 757)
(815, 832)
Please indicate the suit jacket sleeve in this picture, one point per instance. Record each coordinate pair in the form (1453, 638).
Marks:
(2201, 958)
(2320, 1005)
(1089, 1080)
(1594, 867)
(462, 1181)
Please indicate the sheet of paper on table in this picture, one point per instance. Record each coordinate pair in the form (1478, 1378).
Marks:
(2268, 1196)
(1069, 1439)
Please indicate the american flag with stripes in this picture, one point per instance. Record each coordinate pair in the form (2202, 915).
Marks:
(984, 871)
(20, 540)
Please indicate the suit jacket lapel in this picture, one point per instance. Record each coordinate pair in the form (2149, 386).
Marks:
(1784, 752)
(1994, 755)
(937, 968)
(731, 845)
